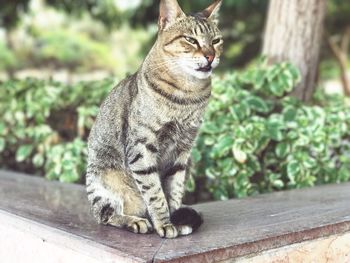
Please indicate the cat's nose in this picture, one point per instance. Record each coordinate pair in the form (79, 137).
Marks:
(210, 58)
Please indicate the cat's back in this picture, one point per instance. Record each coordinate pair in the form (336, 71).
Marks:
(114, 110)
(119, 97)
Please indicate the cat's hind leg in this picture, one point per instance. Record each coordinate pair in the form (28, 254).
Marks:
(116, 202)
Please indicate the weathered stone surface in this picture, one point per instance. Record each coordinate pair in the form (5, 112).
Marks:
(24, 241)
(65, 207)
(335, 248)
(241, 227)
(232, 229)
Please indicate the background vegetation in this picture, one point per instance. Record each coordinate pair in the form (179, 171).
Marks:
(255, 137)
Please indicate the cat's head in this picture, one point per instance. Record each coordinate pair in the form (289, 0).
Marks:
(192, 44)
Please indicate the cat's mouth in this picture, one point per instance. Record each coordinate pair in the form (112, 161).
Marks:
(205, 69)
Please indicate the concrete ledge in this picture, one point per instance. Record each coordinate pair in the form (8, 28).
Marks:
(334, 248)
(27, 241)
(43, 221)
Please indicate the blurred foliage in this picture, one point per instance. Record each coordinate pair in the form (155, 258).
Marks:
(7, 57)
(77, 41)
(242, 23)
(329, 69)
(337, 21)
(254, 138)
(338, 16)
(106, 11)
(72, 50)
(77, 47)
(11, 11)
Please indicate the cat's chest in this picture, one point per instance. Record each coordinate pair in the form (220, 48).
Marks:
(174, 140)
(176, 137)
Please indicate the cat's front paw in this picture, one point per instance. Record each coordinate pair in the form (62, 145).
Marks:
(140, 226)
(184, 230)
(167, 231)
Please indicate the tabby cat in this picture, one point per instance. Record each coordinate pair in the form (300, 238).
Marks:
(139, 147)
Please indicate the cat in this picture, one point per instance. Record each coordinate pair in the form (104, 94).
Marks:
(140, 144)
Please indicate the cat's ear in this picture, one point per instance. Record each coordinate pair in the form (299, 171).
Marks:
(212, 11)
(168, 12)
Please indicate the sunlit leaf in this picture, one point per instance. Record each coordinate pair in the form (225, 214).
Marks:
(23, 152)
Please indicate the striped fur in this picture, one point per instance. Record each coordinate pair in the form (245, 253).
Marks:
(139, 147)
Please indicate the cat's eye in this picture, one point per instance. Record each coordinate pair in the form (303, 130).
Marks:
(216, 41)
(191, 40)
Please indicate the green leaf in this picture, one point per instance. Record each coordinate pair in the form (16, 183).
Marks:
(294, 72)
(282, 150)
(273, 72)
(210, 128)
(276, 89)
(257, 104)
(287, 80)
(239, 155)
(241, 110)
(293, 169)
(343, 174)
(225, 165)
(70, 176)
(190, 184)
(292, 135)
(254, 164)
(211, 173)
(310, 163)
(196, 155)
(68, 164)
(262, 143)
(278, 184)
(23, 152)
(259, 79)
(209, 140)
(222, 147)
(274, 131)
(38, 160)
(289, 114)
(318, 147)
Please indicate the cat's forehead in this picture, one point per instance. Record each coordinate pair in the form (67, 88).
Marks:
(197, 25)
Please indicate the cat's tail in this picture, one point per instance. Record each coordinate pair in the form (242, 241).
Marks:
(188, 219)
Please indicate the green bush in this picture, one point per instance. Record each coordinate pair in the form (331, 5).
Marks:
(254, 139)
(44, 125)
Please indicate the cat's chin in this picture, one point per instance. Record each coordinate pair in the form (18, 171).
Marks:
(202, 74)
(199, 74)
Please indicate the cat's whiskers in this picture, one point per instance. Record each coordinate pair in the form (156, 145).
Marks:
(155, 67)
(168, 61)
(174, 67)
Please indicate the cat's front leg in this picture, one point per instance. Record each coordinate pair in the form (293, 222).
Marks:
(175, 181)
(175, 189)
(142, 162)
